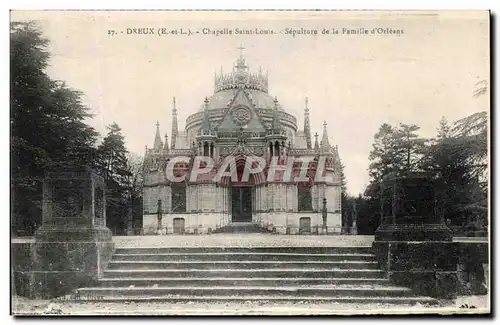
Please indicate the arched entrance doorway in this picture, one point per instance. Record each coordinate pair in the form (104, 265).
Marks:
(242, 193)
(241, 203)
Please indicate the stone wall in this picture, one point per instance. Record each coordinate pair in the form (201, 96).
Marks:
(281, 221)
(45, 270)
(194, 223)
(73, 246)
(274, 205)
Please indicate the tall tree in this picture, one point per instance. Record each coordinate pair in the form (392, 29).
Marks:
(458, 159)
(473, 134)
(444, 129)
(135, 164)
(409, 147)
(344, 198)
(394, 150)
(113, 166)
(383, 155)
(47, 124)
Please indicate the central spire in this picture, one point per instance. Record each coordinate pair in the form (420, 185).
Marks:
(241, 48)
(241, 67)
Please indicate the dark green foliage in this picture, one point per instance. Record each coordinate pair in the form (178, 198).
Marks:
(47, 124)
(456, 158)
(368, 214)
(48, 128)
(459, 162)
(113, 165)
(344, 199)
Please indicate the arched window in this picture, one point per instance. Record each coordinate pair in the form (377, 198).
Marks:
(178, 198)
(304, 196)
(205, 149)
(277, 149)
(270, 149)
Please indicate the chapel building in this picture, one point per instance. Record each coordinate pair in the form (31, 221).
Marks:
(241, 119)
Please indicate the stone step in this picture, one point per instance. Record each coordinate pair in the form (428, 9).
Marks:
(248, 256)
(270, 265)
(237, 291)
(242, 227)
(244, 273)
(217, 281)
(264, 299)
(277, 249)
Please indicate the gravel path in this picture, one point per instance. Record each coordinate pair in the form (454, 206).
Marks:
(22, 306)
(241, 240)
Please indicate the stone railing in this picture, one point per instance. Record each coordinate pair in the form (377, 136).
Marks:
(237, 134)
(194, 117)
(174, 152)
(302, 152)
(276, 132)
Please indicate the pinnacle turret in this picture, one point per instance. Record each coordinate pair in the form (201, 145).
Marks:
(325, 143)
(206, 129)
(165, 147)
(158, 143)
(307, 126)
(316, 144)
(206, 117)
(276, 119)
(175, 128)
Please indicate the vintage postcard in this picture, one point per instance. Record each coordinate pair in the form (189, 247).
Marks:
(250, 162)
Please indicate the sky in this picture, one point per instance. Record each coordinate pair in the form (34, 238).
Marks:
(354, 82)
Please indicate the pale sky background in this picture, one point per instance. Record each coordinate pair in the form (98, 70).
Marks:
(354, 82)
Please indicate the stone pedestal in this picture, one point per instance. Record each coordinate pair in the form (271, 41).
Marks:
(412, 244)
(473, 267)
(73, 245)
(408, 210)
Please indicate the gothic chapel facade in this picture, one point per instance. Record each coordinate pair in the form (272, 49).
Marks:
(241, 119)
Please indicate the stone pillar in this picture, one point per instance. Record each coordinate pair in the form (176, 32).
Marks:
(354, 227)
(324, 216)
(159, 217)
(130, 220)
(412, 243)
(73, 245)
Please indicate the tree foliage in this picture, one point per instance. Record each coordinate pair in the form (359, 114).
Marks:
(113, 165)
(135, 164)
(457, 157)
(47, 123)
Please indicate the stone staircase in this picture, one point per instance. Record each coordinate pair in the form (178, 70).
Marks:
(242, 227)
(321, 274)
